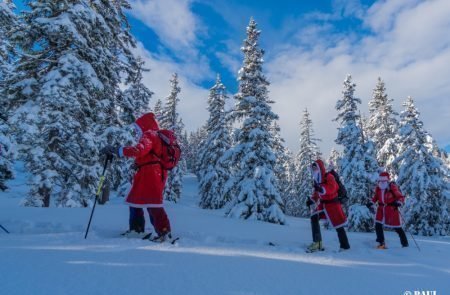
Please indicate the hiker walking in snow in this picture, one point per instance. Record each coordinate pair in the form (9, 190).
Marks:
(388, 198)
(149, 180)
(326, 205)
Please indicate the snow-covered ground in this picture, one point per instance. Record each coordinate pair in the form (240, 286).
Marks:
(46, 253)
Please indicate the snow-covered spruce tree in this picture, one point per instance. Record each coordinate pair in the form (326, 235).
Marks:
(213, 173)
(421, 177)
(358, 168)
(382, 126)
(254, 182)
(158, 109)
(73, 55)
(334, 160)
(8, 21)
(170, 119)
(136, 98)
(196, 140)
(282, 158)
(302, 180)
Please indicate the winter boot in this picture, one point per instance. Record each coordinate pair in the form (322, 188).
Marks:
(162, 237)
(315, 246)
(382, 246)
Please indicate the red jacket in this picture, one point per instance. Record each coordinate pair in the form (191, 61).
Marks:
(327, 204)
(387, 214)
(149, 180)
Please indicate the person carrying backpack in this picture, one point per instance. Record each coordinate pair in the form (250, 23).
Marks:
(326, 206)
(150, 177)
(388, 198)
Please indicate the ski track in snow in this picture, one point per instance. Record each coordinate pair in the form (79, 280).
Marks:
(46, 253)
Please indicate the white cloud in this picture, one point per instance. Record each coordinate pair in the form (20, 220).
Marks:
(172, 20)
(409, 48)
(193, 98)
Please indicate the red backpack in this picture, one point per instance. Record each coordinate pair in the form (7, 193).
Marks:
(171, 151)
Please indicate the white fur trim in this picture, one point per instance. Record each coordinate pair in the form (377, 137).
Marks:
(144, 205)
(324, 191)
(381, 178)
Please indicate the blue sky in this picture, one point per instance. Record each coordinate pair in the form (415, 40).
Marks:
(310, 47)
(223, 25)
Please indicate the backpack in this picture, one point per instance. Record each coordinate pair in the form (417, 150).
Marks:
(342, 191)
(171, 151)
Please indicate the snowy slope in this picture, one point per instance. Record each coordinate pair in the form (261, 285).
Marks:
(46, 254)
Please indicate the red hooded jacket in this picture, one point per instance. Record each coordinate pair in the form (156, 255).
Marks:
(149, 180)
(386, 213)
(327, 204)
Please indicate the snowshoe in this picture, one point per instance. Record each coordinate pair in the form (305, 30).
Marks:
(167, 237)
(315, 247)
(133, 234)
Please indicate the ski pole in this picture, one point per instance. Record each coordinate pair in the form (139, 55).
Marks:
(99, 189)
(4, 229)
(403, 220)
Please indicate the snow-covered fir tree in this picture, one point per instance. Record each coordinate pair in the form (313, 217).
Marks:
(358, 169)
(281, 164)
(212, 171)
(196, 140)
(254, 183)
(66, 92)
(382, 126)
(170, 119)
(421, 177)
(158, 109)
(302, 180)
(334, 160)
(135, 100)
(8, 21)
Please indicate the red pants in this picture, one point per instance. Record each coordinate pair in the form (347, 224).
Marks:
(158, 218)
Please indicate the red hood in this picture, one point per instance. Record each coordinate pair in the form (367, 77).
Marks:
(322, 169)
(147, 122)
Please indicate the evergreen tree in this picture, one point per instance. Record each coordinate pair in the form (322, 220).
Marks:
(254, 182)
(66, 94)
(334, 159)
(213, 173)
(302, 180)
(196, 141)
(136, 98)
(170, 119)
(281, 165)
(8, 21)
(158, 110)
(358, 168)
(382, 126)
(421, 177)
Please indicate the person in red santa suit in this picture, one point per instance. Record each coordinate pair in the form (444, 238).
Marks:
(388, 199)
(148, 181)
(326, 206)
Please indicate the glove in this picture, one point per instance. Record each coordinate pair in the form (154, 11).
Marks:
(110, 150)
(369, 206)
(309, 202)
(318, 188)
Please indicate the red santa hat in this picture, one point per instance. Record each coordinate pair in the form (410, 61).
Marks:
(384, 176)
